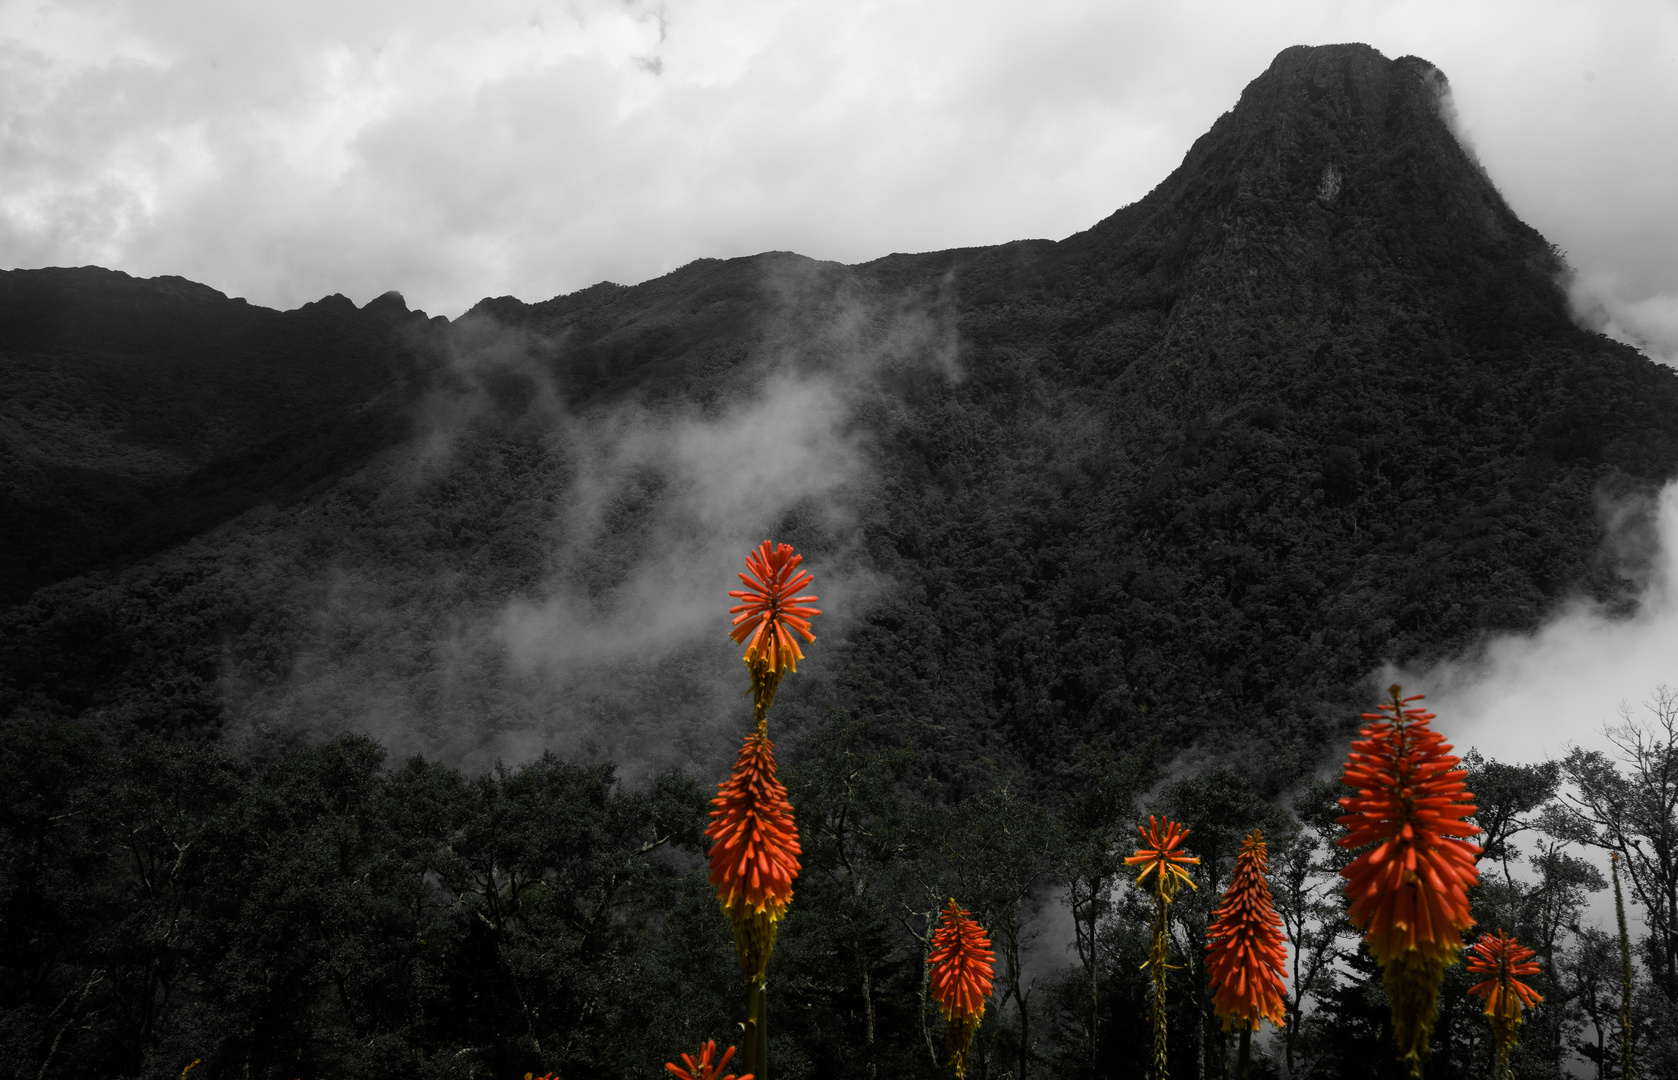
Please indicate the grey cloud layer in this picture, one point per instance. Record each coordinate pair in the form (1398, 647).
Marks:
(286, 151)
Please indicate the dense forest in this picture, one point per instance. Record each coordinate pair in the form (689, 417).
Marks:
(364, 676)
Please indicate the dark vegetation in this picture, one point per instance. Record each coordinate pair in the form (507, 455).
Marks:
(1312, 405)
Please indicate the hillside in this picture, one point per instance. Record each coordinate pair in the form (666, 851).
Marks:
(1312, 404)
(402, 641)
(136, 413)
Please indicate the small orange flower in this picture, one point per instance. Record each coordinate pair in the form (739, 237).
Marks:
(1161, 857)
(1246, 951)
(754, 851)
(769, 618)
(961, 978)
(1501, 957)
(1409, 891)
(704, 1069)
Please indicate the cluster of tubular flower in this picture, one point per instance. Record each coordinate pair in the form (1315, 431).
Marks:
(754, 851)
(754, 837)
(960, 962)
(1162, 857)
(705, 1068)
(1246, 949)
(1409, 887)
(770, 618)
(1500, 958)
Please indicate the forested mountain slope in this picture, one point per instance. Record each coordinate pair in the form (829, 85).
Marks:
(1313, 404)
(1103, 526)
(135, 413)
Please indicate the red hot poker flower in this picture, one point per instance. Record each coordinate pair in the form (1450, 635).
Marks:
(769, 618)
(961, 978)
(754, 851)
(1246, 951)
(1409, 890)
(1501, 958)
(1162, 858)
(704, 1069)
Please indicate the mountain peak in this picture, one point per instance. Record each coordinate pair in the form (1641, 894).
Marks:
(1334, 194)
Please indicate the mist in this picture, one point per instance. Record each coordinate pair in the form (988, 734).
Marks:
(1648, 323)
(594, 624)
(1529, 697)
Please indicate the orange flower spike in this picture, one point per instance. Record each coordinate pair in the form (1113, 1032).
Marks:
(1161, 856)
(1501, 957)
(1246, 951)
(770, 618)
(754, 851)
(961, 960)
(704, 1068)
(1162, 859)
(1409, 890)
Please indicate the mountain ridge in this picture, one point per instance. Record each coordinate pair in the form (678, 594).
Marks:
(1311, 404)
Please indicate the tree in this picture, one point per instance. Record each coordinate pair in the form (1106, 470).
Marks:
(854, 831)
(1634, 811)
(1097, 826)
(1306, 885)
(1590, 971)
(999, 847)
(1508, 797)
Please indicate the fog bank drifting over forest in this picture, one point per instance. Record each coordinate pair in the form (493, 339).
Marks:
(1531, 696)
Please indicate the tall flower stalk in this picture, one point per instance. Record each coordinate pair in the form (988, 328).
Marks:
(1501, 958)
(960, 962)
(1409, 888)
(1247, 952)
(1628, 1060)
(754, 837)
(1162, 858)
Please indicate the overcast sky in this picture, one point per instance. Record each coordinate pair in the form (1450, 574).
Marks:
(285, 150)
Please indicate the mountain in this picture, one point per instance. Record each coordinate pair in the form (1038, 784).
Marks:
(364, 675)
(1313, 404)
(135, 413)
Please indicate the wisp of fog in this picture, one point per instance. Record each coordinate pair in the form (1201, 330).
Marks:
(626, 531)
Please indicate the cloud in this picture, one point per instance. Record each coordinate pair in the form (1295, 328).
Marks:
(1527, 697)
(1603, 302)
(625, 532)
(286, 151)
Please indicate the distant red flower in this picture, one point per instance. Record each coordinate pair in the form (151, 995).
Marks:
(961, 978)
(1246, 951)
(1161, 857)
(1501, 957)
(754, 851)
(1409, 891)
(769, 618)
(704, 1069)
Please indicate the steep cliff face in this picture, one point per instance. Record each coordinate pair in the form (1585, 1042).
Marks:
(1312, 404)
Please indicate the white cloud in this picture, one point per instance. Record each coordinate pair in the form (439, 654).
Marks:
(1532, 695)
(285, 151)
(1603, 302)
